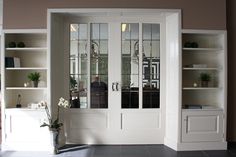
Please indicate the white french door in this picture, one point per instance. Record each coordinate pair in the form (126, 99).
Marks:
(115, 82)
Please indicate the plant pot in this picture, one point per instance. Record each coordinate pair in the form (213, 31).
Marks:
(204, 83)
(54, 141)
(35, 83)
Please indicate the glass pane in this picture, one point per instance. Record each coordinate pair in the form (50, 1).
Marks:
(99, 65)
(78, 65)
(130, 66)
(79, 95)
(151, 66)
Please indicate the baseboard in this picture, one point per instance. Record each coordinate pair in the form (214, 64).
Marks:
(170, 143)
(202, 146)
(195, 145)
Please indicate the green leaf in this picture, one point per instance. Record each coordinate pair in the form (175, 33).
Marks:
(55, 122)
(44, 124)
(34, 76)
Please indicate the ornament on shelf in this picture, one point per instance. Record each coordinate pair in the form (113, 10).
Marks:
(18, 105)
(195, 84)
(26, 84)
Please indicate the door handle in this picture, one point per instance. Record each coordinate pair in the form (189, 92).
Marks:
(186, 122)
(112, 86)
(115, 86)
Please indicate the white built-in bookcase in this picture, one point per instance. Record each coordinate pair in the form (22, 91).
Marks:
(19, 124)
(204, 128)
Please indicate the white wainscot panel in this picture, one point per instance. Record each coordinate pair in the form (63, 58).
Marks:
(202, 126)
(24, 126)
(198, 124)
(88, 121)
(140, 120)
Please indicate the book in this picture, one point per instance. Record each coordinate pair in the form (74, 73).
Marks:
(9, 62)
(12, 62)
(16, 62)
(193, 106)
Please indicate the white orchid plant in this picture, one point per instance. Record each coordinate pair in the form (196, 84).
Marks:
(51, 123)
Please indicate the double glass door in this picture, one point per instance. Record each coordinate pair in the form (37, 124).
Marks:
(115, 83)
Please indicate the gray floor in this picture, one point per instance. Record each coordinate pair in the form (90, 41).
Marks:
(124, 151)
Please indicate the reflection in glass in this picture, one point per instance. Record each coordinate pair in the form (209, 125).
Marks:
(151, 66)
(130, 66)
(78, 65)
(99, 65)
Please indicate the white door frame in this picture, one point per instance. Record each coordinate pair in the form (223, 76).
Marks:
(126, 12)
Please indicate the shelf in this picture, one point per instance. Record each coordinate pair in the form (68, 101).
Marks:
(202, 49)
(201, 68)
(26, 88)
(90, 74)
(138, 39)
(91, 39)
(200, 88)
(204, 109)
(27, 68)
(27, 49)
(78, 74)
(129, 74)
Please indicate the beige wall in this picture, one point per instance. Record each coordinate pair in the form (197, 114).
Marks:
(201, 14)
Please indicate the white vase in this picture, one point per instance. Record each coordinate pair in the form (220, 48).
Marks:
(54, 141)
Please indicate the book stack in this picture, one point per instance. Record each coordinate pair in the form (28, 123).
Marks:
(192, 106)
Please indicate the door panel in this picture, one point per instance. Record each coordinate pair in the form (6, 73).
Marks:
(89, 121)
(140, 120)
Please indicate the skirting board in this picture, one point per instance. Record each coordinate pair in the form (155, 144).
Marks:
(195, 146)
(202, 146)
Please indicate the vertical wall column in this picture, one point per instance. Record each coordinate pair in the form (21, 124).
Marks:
(173, 81)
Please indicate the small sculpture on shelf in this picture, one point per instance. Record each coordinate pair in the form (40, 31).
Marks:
(26, 84)
(34, 77)
(21, 44)
(18, 105)
(195, 84)
(12, 44)
(205, 78)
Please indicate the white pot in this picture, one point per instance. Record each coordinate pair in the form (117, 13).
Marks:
(54, 135)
